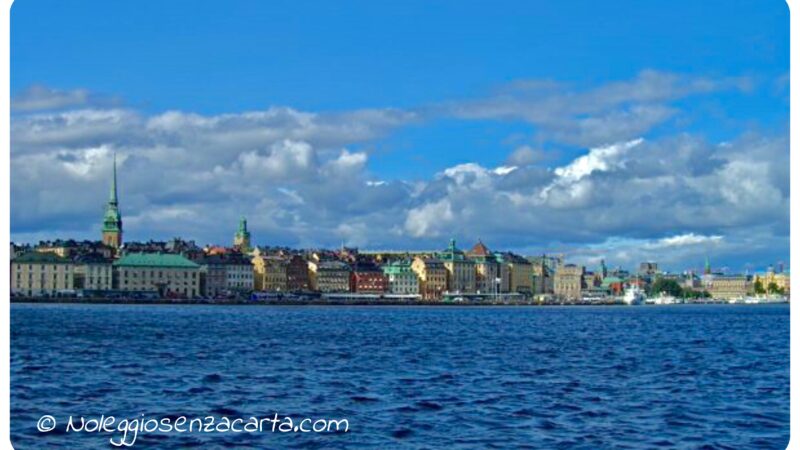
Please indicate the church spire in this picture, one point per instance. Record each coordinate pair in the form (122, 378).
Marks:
(113, 194)
(112, 220)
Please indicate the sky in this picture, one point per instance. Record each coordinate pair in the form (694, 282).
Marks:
(628, 131)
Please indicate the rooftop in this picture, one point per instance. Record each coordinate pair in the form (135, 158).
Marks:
(167, 260)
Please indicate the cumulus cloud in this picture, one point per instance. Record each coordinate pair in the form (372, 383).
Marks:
(304, 178)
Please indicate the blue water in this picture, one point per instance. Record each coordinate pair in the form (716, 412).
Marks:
(410, 377)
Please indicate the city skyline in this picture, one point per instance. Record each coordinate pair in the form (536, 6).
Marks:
(659, 158)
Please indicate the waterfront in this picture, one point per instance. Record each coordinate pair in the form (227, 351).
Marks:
(591, 377)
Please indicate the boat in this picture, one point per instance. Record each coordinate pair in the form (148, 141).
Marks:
(662, 299)
(633, 295)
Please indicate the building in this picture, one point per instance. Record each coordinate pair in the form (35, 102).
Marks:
(297, 274)
(112, 220)
(367, 278)
(230, 273)
(460, 270)
(729, 286)
(772, 282)
(93, 272)
(328, 276)
(41, 274)
(402, 279)
(168, 274)
(648, 269)
(542, 279)
(241, 240)
(269, 272)
(520, 273)
(568, 282)
(488, 278)
(432, 277)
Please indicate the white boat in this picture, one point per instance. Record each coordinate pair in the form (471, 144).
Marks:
(662, 299)
(633, 295)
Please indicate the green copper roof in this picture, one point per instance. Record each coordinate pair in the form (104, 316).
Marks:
(166, 260)
(41, 258)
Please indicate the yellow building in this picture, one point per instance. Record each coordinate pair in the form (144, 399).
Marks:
(432, 277)
(729, 287)
(520, 273)
(168, 274)
(461, 274)
(36, 274)
(270, 273)
(568, 281)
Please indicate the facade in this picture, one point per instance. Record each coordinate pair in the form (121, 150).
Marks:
(729, 287)
(227, 274)
(36, 274)
(432, 277)
(542, 279)
(648, 269)
(329, 276)
(460, 270)
(269, 273)
(520, 274)
(168, 274)
(241, 240)
(112, 220)
(402, 279)
(93, 272)
(297, 274)
(568, 281)
(488, 278)
(368, 278)
(770, 279)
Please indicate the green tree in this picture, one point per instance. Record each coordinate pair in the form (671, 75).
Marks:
(759, 287)
(667, 286)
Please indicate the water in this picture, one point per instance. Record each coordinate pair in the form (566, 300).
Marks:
(411, 377)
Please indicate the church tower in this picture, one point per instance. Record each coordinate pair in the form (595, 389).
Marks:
(112, 220)
(241, 239)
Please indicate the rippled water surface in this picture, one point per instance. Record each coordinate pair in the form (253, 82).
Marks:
(411, 377)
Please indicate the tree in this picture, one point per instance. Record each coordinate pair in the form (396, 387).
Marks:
(667, 286)
(759, 287)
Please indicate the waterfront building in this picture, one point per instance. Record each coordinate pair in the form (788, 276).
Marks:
(328, 275)
(460, 269)
(402, 279)
(112, 220)
(542, 279)
(170, 275)
(269, 272)
(488, 278)
(432, 277)
(36, 274)
(368, 278)
(228, 273)
(241, 240)
(297, 274)
(519, 272)
(730, 286)
(771, 280)
(568, 282)
(93, 272)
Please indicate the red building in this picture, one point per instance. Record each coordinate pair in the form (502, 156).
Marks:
(297, 274)
(368, 279)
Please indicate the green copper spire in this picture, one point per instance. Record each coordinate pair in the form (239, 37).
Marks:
(112, 198)
(112, 219)
(707, 270)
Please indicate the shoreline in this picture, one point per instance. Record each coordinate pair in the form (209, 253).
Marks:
(247, 302)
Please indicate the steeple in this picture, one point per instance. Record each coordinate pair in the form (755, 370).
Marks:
(707, 269)
(112, 198)
(112, 220)
(241, 239)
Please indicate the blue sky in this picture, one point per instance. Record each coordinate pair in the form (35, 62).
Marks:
(417, 88)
